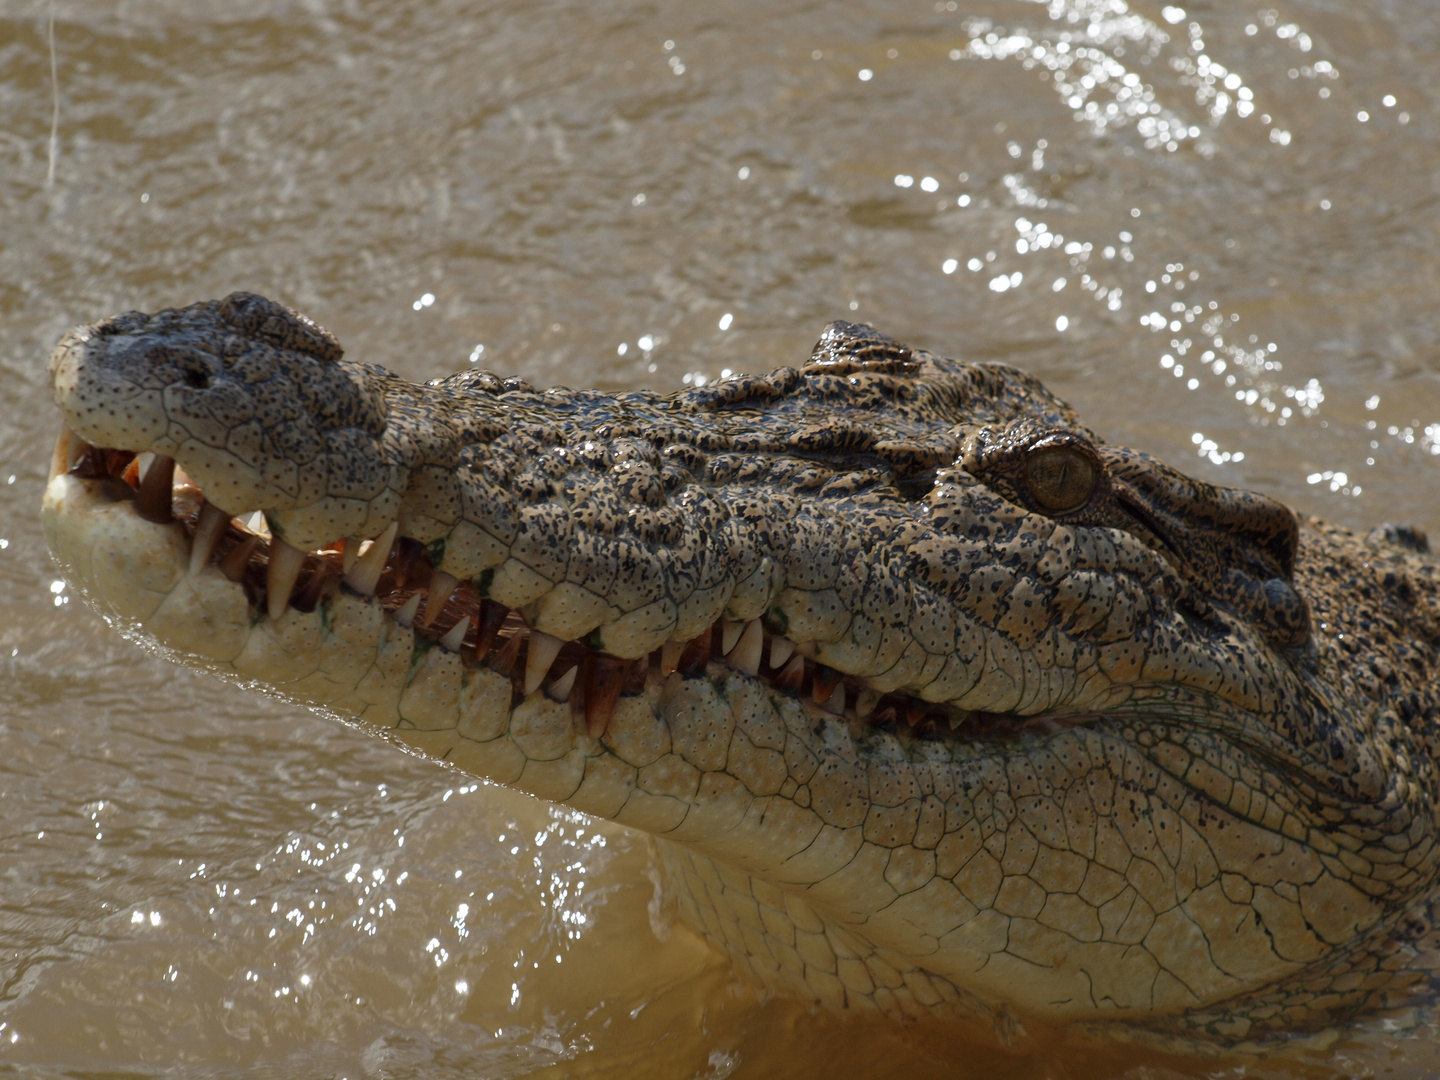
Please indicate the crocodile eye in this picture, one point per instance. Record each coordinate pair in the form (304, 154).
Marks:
(1061, 478)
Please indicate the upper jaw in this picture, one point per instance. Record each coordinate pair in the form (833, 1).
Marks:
(97, 495)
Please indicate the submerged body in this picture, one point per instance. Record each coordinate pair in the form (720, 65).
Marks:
(938, 704)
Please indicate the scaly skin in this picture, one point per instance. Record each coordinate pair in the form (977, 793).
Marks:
(1072, 735)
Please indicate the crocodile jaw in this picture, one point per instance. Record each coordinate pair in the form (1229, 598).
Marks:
(788, 803)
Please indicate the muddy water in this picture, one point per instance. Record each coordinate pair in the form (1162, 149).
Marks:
(1214, 231)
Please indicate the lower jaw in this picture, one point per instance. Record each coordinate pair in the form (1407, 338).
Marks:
(173, 535)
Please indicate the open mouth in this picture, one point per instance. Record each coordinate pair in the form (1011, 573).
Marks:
(451, 614)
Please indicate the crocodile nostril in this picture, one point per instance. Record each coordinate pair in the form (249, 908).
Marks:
(198, 378)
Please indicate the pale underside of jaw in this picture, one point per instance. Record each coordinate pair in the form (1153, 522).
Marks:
(395, 572)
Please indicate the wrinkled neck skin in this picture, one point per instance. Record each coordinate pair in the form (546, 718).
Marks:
(938, 705)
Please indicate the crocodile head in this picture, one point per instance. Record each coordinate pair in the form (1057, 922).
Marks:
(938, 703)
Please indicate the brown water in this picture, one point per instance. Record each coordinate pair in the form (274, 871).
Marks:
(197, 882)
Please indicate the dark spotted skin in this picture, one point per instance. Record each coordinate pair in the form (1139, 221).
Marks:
(1188, 782)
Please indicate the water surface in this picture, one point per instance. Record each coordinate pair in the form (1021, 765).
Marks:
(1212, 230)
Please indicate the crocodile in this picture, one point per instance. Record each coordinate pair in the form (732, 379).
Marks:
(936, 704)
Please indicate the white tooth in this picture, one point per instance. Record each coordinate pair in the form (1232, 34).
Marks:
(835, 703)
(280, 575)
(745, 657)
(208, 531)
(455, 636)
(255, 522)
(364, 576)
(559, 690)
(542, 653)
(441, 587)
(406, 615)
(780, 651)
(866, 701)
(670, 654)
(68, 448)
(350, 551)
(794, 672)
(729, 634)
(143, 461)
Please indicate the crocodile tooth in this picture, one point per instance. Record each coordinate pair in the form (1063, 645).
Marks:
(543, 650)
(792, 677)
(604, 679)
(209, 527)
(65, 454)
(697, 653)
(115, 460)
(780, 650)
(745, 657)
(504, 659)
(153, 500)
(233, 564)
(670, 654)
(184, 479)
(442, 585)
(865, 702)
(559, 690)
(257, 524)
(284, 567)
(824, 684)
(729, 635)
(93, 463)
(406, 615)
(637, 674)
(407, 558)
(835, 703)
(492, 617)
(915, 712)
(349, 552)
(322, 581)
(455, 636)
(364, 576)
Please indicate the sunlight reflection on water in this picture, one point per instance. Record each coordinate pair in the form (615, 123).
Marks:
(1210, 227)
